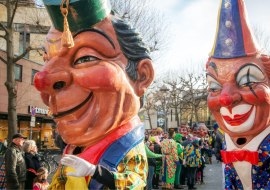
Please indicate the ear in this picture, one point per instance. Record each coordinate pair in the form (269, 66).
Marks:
(145, 73)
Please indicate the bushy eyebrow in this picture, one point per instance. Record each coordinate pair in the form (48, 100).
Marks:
(214, 66)
(97, 31)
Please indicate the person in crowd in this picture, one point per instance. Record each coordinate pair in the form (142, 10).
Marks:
(159, 133)
(31, 161)
(151, 158)
(219, 138)
(192, 160)
(40, 181)
(6, 142)
(96, 69)
(158, 165)
(178, 139)
(218, 147)
(15, 167)
(165, 136)
(188, 140)
(169, 161)
(2, 147)
(185, 142)
(204, 148)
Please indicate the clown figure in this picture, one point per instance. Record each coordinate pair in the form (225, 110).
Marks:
(239, 98)
(96, 69)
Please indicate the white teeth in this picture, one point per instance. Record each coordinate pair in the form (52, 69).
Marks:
(237, 110)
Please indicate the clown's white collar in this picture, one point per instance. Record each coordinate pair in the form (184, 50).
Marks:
(252, 145)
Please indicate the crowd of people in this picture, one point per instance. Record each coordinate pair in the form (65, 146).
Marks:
(179, 159)
(175, 159)
(22, 169)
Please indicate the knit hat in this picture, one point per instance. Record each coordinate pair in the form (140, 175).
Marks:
(152, 139)
(178, 137)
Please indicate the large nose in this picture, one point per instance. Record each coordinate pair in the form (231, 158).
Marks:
(229, 96)
(51, 82)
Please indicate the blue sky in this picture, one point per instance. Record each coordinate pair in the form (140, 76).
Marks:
(193, 25)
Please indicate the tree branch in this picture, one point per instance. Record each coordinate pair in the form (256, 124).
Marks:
(2, 59)
(14, 12)
(25, 52)
(4, 37)
(3, 27)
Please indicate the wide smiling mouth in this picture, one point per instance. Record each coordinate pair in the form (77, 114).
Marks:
(64, 113)
(238, 119)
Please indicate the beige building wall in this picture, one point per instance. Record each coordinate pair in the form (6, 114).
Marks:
(27, 93)
(28, 16)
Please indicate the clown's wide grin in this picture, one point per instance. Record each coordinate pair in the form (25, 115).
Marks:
(64, 113)
(241, 117)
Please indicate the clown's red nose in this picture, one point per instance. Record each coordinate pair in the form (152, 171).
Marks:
(225, 100)
(41, 81)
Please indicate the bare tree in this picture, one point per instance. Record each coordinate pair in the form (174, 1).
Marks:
(10, 59)
(149, 107)
(195, 92)
(263, 38)
(148, 21)
(176, 100)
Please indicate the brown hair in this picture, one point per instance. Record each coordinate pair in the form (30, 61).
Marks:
(41, 174)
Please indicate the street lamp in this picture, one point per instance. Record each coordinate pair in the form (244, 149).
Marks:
(164, 89)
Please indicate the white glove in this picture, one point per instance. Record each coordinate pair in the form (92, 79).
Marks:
(81, 166)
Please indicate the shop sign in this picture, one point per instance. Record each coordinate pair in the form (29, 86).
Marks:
(33, 121)
(41, 111)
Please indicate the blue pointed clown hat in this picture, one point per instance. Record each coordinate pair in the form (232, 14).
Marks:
(234, 37)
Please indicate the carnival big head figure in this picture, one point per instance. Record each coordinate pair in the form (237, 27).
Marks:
(96, 69)
(184, 130)
(93, 86)
(239, 98)
(202, 130)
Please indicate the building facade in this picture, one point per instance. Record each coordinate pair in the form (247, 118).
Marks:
(34, 121)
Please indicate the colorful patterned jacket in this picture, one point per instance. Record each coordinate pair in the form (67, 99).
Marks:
(192, 156)
(260, 173)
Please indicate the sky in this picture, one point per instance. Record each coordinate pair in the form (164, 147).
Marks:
(192, 30)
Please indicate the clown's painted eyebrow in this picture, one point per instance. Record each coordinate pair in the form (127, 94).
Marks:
(97, 31)
(248, 64)
(250, 87)
(214, 66)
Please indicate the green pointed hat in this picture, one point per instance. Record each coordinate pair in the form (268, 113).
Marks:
(82, 14)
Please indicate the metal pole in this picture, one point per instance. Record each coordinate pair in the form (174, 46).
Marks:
(165, 111)
(31, 132)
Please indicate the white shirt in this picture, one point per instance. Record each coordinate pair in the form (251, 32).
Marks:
(243, 168)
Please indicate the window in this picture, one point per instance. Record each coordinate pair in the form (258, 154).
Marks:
(18, 72)
(24, 43)
(33, 74)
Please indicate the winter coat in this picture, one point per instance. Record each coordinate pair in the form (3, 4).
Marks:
(15, 166)
(32, 165)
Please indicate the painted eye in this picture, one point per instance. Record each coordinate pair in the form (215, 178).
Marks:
(85, 59)
(247, 81)
(249, 75)
(214, 87)
(213, 84)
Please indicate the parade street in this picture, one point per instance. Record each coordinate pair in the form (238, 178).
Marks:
(213, 177)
